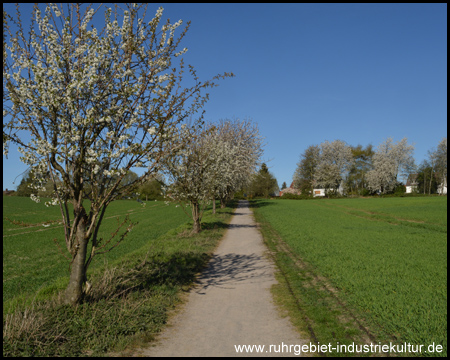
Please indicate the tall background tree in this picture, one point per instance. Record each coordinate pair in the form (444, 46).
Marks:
(152, 188)
(94, 103)
(306, 169)
(440, 156)
(23, 189)
(426, 178)
(264, 183)
(362, 163)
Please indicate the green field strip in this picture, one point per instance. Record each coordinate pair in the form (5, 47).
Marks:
(393, 274)
(430, 210)
(379, 216)
(24, 228)
(317, 292)
(31, 259)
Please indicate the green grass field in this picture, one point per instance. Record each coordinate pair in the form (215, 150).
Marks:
(31, 260)
(386, 259)
(134, 287)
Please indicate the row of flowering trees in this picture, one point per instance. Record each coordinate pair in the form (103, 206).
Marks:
(218, 160)
(85, 105)
(334, 165)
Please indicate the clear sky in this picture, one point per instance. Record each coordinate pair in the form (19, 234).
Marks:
(307, 73)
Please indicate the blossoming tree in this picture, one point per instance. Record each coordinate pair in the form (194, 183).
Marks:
(390, 161)
(85, 106)
(440, 156)
(217, 162)
(235, 173)
(189, 173)
(334, 162)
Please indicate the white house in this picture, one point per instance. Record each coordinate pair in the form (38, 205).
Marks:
(411, 183)
(321, 192)
(442, 188)
(318, 192)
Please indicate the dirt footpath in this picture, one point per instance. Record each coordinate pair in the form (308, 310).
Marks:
(231, 304)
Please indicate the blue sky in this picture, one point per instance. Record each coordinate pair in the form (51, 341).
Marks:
(307, 73)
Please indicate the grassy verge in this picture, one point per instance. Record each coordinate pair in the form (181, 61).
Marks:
(129, 301)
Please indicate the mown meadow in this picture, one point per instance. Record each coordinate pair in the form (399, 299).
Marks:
(364, 270)
(134, 286)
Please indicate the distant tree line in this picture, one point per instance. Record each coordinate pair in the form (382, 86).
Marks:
(150, 189)
(356, 170)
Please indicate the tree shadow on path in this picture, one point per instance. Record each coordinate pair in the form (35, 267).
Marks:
(227, 271)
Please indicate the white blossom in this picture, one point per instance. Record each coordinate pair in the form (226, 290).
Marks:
(89, 106)
(35, 198)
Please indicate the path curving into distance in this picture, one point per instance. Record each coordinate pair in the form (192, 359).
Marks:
(231, 303)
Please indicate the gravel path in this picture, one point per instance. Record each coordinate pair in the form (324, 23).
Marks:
(231, 303)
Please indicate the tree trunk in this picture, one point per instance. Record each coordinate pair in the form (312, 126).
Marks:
(74, 290)
(196, 217)
(431, 180)
(223, 203)
(214, 205)
(424, 182)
